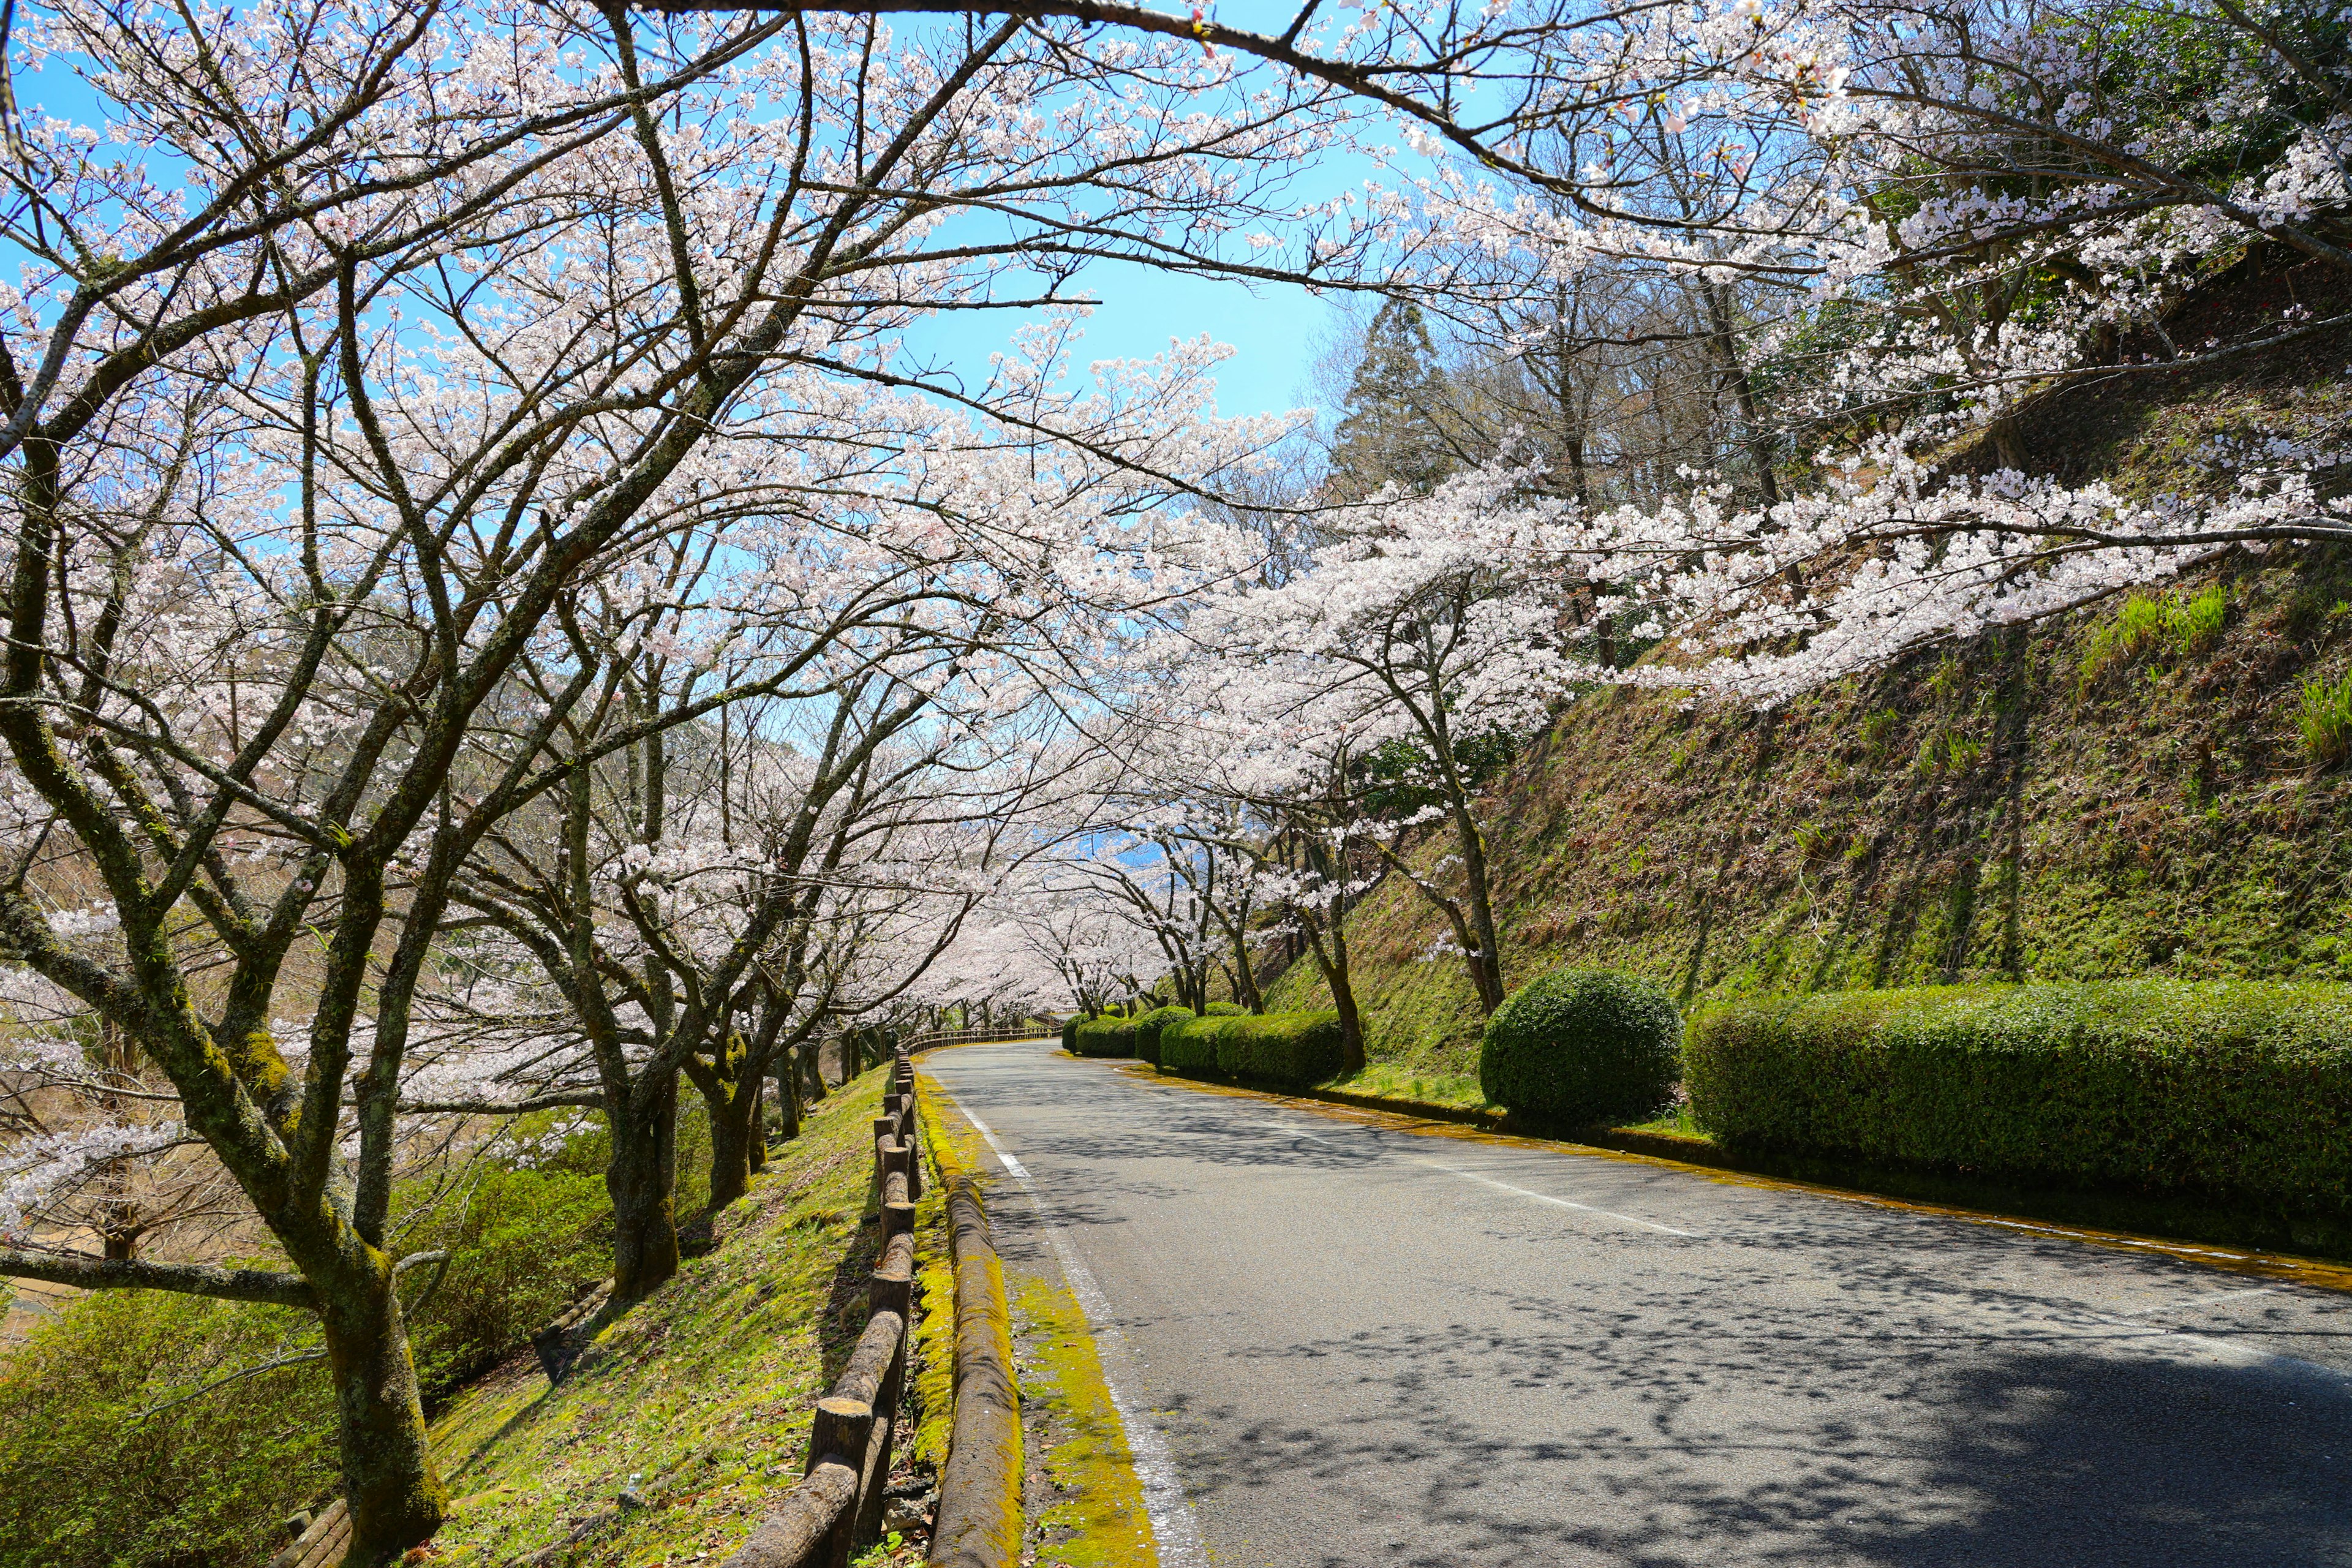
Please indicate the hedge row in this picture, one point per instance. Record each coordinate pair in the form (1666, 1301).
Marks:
(2236, 1089)
(1293, 1049)
(1109, 1036)
(1192, 1046)
(1152, 1028)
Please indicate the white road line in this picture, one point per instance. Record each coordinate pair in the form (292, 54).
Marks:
(2195, 1301)
(1173, 1528)
(1500, 1186)
(1547, 1198)
(2052, 1320)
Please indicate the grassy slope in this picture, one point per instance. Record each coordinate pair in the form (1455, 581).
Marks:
(1984, 811)
(702, 1394)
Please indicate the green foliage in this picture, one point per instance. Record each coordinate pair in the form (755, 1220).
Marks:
(2196, 624)
(2324, 717)
(1070, 1033)
(523, 1244)
(1878, 731)
(1400, 777)
(1292, 1049)
(1386, 433)
(2135, 629)
(1148, 1028)
(2168, 623)
(1109, 1036)
(1190, 1045)
(2232, 1089)
(1583, 1045)
(210, 1476)
(106, 1461)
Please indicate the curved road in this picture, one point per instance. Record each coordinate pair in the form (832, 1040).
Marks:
(1362, 1344)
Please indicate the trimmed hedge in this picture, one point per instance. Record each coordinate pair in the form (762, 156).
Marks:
(1190, 1045)
(1148, 1028)
(1109, 1036)
(1070, 1031)
(2235, 1090)
(1581, 1046)
(1292, 1049)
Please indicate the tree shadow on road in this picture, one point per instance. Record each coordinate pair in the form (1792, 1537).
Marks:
(2017, 1455)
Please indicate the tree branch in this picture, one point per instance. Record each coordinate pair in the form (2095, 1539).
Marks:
(267, 1286)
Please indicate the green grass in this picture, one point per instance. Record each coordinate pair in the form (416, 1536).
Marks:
(1676, 1124)
(697, 1401)
(1391, 1081)
(2324, 716)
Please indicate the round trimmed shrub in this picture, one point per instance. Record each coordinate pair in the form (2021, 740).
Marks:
(1070, 1032)
(1583, 1046)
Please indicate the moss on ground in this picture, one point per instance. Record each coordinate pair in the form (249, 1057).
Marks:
(1087, 1506)
(951, 1149)
(1398, 1081)
(695, 1402)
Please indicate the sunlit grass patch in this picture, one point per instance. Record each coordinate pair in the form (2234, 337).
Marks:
(690, 1412)
(1391, 1081)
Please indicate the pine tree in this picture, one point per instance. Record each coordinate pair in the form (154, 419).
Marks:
(1391, 429)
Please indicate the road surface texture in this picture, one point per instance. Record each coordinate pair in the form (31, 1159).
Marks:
(1363, 1344)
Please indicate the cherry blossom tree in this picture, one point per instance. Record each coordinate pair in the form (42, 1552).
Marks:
(352, 351)
(303, 477)
(1428, 626)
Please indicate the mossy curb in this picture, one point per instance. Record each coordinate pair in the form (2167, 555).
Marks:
(981, 1521)
(1086, 1499)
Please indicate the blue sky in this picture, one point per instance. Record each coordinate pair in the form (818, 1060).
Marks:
(1274, 329)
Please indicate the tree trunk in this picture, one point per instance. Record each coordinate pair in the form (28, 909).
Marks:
(788, 1097)
(1246, 990)
(811, 1056)
(1333, 965)
(643, 1181)
(396, 1500)
(1723, 342)
(729, 1087)
(759, 1118)
(1486, 965)
(734, 1128)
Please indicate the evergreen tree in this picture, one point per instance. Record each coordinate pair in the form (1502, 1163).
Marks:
(1392, 429)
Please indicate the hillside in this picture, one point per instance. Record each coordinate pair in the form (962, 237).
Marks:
(2127, 791)
(686, 1414)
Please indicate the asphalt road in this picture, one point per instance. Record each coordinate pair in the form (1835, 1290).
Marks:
(1359, 1345)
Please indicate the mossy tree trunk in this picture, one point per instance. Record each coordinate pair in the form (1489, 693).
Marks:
(641, 1178)
(396, 1497)
(731, 1095)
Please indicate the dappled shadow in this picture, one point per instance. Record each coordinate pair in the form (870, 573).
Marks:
(2028, 1454)
(1464, 1376)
